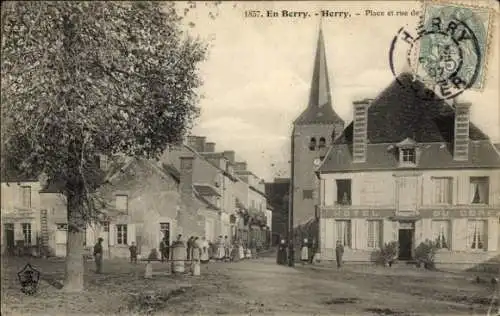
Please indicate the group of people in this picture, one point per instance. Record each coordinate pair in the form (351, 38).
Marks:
(223, 250)
(307, 252)
(197, 249)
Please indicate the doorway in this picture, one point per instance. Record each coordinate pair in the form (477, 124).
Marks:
(405, 239)
(9, 238)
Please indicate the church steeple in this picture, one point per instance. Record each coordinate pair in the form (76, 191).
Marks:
(319, 109)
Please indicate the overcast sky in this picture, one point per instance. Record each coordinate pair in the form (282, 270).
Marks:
(258, 73)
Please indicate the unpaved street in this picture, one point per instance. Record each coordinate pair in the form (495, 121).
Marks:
(255, 287)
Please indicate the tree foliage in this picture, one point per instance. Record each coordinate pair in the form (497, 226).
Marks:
(81, 78)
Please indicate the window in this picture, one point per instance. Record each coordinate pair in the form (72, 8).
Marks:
(27, 233)
(476, 237)
(441, 234)
(344, 232)
(121, 234)
(374, 232)
(253, 204)
(307, 194)
(322, 142)
(344, 191)
(408, 155)
(443, 190)
(122, 203)
(479, 190)
(26, 196)
(62, 226)
(312, 144)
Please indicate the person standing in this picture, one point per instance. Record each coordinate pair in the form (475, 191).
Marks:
(133, 253)
(339, 252)
(314, 249)
(205, 257)
(98, 255)
(304, 252)
(221, 253)
(227, 249)
(281, 258)
(163, 250)
(190, 247)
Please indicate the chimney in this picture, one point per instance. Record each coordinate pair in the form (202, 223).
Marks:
(186, 177)
(197, 143)
(461, 139)
(229, 155)
(360, 123)
(209, 147)
(240, 166)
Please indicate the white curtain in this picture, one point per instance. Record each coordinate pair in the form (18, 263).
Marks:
(441, 233)
(479, 191)
(344, 232)
(476, 237)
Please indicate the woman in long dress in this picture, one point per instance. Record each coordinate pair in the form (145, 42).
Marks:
(221, 252)
(204, 258)
(304, 252)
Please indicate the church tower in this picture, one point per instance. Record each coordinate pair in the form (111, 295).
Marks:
(313, 133)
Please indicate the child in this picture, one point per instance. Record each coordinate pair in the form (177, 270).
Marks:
(133, 253)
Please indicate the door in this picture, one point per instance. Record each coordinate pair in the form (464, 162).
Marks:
(405, 244)
(61, 239)
(9, 238)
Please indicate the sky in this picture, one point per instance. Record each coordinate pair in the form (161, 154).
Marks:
(258, 72)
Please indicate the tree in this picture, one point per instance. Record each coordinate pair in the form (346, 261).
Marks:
(81, 79)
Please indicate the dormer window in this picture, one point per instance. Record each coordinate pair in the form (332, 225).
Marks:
(322, 142)
(312, 144)
(408, 155)
(407, 151)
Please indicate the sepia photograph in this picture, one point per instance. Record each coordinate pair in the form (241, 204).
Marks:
(250, 157)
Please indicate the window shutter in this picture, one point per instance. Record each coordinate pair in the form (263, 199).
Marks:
(492, 234)
(112, 234)
(34, 235)
(131, 234)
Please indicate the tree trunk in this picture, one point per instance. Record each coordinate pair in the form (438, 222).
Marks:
(74, 246)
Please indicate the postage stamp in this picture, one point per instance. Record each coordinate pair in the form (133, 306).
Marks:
(455, 44)
(448, 51)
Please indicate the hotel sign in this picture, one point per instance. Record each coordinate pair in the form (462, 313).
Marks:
(330, 213)
(459, 213)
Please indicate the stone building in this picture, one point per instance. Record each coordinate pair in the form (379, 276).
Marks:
(313, 131)
(409, 169)
(144, 202)
(21, 214)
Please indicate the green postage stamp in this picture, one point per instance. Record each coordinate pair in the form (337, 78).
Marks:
(453, 48)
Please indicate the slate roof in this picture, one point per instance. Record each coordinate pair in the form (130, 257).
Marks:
(319, 109)
(399, 113)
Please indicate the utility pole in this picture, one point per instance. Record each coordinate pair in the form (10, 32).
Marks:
(291, 252)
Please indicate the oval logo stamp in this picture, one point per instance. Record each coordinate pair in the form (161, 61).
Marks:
(447, 51)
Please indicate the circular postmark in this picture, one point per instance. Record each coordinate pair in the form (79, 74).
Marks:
(443, 58)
